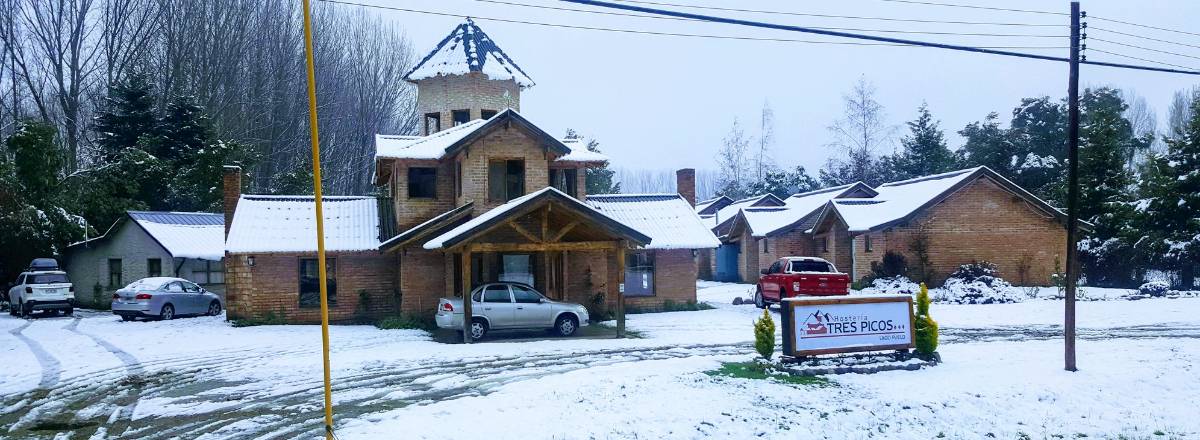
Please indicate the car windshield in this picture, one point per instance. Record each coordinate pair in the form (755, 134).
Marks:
(810, 266)
(47, 278)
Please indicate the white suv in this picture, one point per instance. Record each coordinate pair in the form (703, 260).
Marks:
(42, 288)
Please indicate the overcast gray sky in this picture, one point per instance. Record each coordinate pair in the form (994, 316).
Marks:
(666, 102)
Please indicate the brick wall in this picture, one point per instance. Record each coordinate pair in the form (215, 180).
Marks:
(423, 279)
(413, 211)
(674, 279)
(473, 91)
(273, 285)
(231, 191)
(501, 144)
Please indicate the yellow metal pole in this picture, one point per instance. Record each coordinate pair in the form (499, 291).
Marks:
(316, 163)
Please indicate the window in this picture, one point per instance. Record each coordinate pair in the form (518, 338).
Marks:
(639, 274)
(207, 272)
(565, 180)
(461, 116)
(867, 243)
(114, 272)
(310, 291)
(765, 246)
(825, 244)
(422, 183)
(487, 114)
(517, 268)
(190, 288)
(775, 267)
(506, 180)
(496, 293)
(174, 287)
(433, 123)
(810, 266)
(525, 295)
(458, 182)
(154, 267)
(47, 278)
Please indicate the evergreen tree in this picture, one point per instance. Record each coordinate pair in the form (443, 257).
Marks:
(1172, 203)
(924, 150)
(126, 117)
(987, 144)
(37, 161)
(597, 180)
(1038, 133)
(183, 129)
(784, 183)
(1104, 188)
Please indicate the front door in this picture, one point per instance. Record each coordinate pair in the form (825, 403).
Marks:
(727, 262)
(497, 306)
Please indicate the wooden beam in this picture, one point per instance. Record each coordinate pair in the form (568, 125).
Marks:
(546, 223)
(620, 250)
(466, 295)
(541, 247)
(524, 232)
(563, 232)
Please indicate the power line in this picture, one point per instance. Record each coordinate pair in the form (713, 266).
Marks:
(1145, 48)
(956, 47)
(849, 17)
(657, 33)
(1136, 58)
(988, 8)
(659, 17)
(1094, 28)
(1145, 26)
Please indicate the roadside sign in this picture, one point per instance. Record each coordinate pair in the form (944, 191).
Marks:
(845, 324)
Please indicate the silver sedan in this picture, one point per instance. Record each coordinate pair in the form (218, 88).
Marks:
(507, 306)
(164, 298)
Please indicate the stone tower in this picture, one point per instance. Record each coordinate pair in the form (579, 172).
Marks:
(465, 77)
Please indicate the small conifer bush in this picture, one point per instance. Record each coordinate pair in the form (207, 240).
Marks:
(764, 335)
(927, 328)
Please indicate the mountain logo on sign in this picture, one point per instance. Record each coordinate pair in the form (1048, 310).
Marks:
(815, 323)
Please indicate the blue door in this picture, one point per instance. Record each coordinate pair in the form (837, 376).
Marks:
(727, 262)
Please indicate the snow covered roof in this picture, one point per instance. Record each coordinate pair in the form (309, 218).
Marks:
(667, 218)
(709, 207)
(468, 49)
(725, 215)
(796, 210)
(198, 235)
(482, 221)
(450, 140)
(288, 224)
(900, 201)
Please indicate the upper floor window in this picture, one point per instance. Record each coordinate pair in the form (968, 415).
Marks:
(433, 123)
(506, 179)
(487, 114)
(422, 183)
(461, 116)
(867, 245)
(565, 179)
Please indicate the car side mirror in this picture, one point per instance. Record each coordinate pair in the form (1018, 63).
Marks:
(763, 271)
(541, 300)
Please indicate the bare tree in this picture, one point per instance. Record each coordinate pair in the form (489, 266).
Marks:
(858, 136)
(733, 162)
(763, 162)
(1144, 123)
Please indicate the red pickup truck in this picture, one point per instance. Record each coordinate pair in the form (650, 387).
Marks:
(798, 276)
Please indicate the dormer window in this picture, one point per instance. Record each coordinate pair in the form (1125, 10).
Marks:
(487, 114)
(461, 116)
(433, 123)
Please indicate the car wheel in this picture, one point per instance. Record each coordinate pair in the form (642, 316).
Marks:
(758, 300)
(69, 311)
(127, 318)
(214, 309)
(479, 329)
(26, 310)
(167, 313)
(566, 326)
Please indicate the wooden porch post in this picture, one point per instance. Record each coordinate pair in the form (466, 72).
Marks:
(620, 288)
(466, 294)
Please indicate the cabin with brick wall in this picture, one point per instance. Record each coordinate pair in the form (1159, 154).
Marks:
(482, 194)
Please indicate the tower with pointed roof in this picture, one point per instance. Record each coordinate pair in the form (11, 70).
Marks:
(466, 77)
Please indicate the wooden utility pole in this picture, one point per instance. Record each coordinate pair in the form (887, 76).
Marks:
(1072, 190)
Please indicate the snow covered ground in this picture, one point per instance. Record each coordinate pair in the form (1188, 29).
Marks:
(93, 376)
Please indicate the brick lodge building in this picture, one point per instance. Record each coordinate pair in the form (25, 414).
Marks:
(961, 216)
(482, 195)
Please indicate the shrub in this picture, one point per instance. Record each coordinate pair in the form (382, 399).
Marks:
(892, 265)
(927, 328)
(1154, 288)
(764, 335)
(596, 308)
(407, 321)
(919, 245)
(978, 283)
(897, 284)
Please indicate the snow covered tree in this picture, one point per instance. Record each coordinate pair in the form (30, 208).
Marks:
(987, 144)
(597, 180)
(1038, 137)
(37, 161)
(858, 136)
(126, 117)
(784, 183)
(1104, 188)
(924, 150)
(733, 163)
(1170, 209)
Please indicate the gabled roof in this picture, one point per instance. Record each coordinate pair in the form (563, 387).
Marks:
(196, 235)
(898, 202)
(799, 210)
(447, 142)
(667, 218)
(710, 206)
(439, 222)
(519, 206)
(721, 221)
(467, 49)
(266, 224)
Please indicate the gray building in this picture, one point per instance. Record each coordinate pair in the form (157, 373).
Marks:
(141, 244)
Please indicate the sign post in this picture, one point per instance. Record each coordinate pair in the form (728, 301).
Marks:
(826, 325)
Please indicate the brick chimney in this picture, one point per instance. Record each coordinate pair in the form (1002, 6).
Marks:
(231, 180)
(685, 184)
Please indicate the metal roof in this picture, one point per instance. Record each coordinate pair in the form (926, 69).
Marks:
(179, 218)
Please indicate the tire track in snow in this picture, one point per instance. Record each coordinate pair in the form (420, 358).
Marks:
(51, 367)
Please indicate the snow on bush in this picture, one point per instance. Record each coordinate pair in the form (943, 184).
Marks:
(1154, 288)
(977, 283)
(897, 284)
